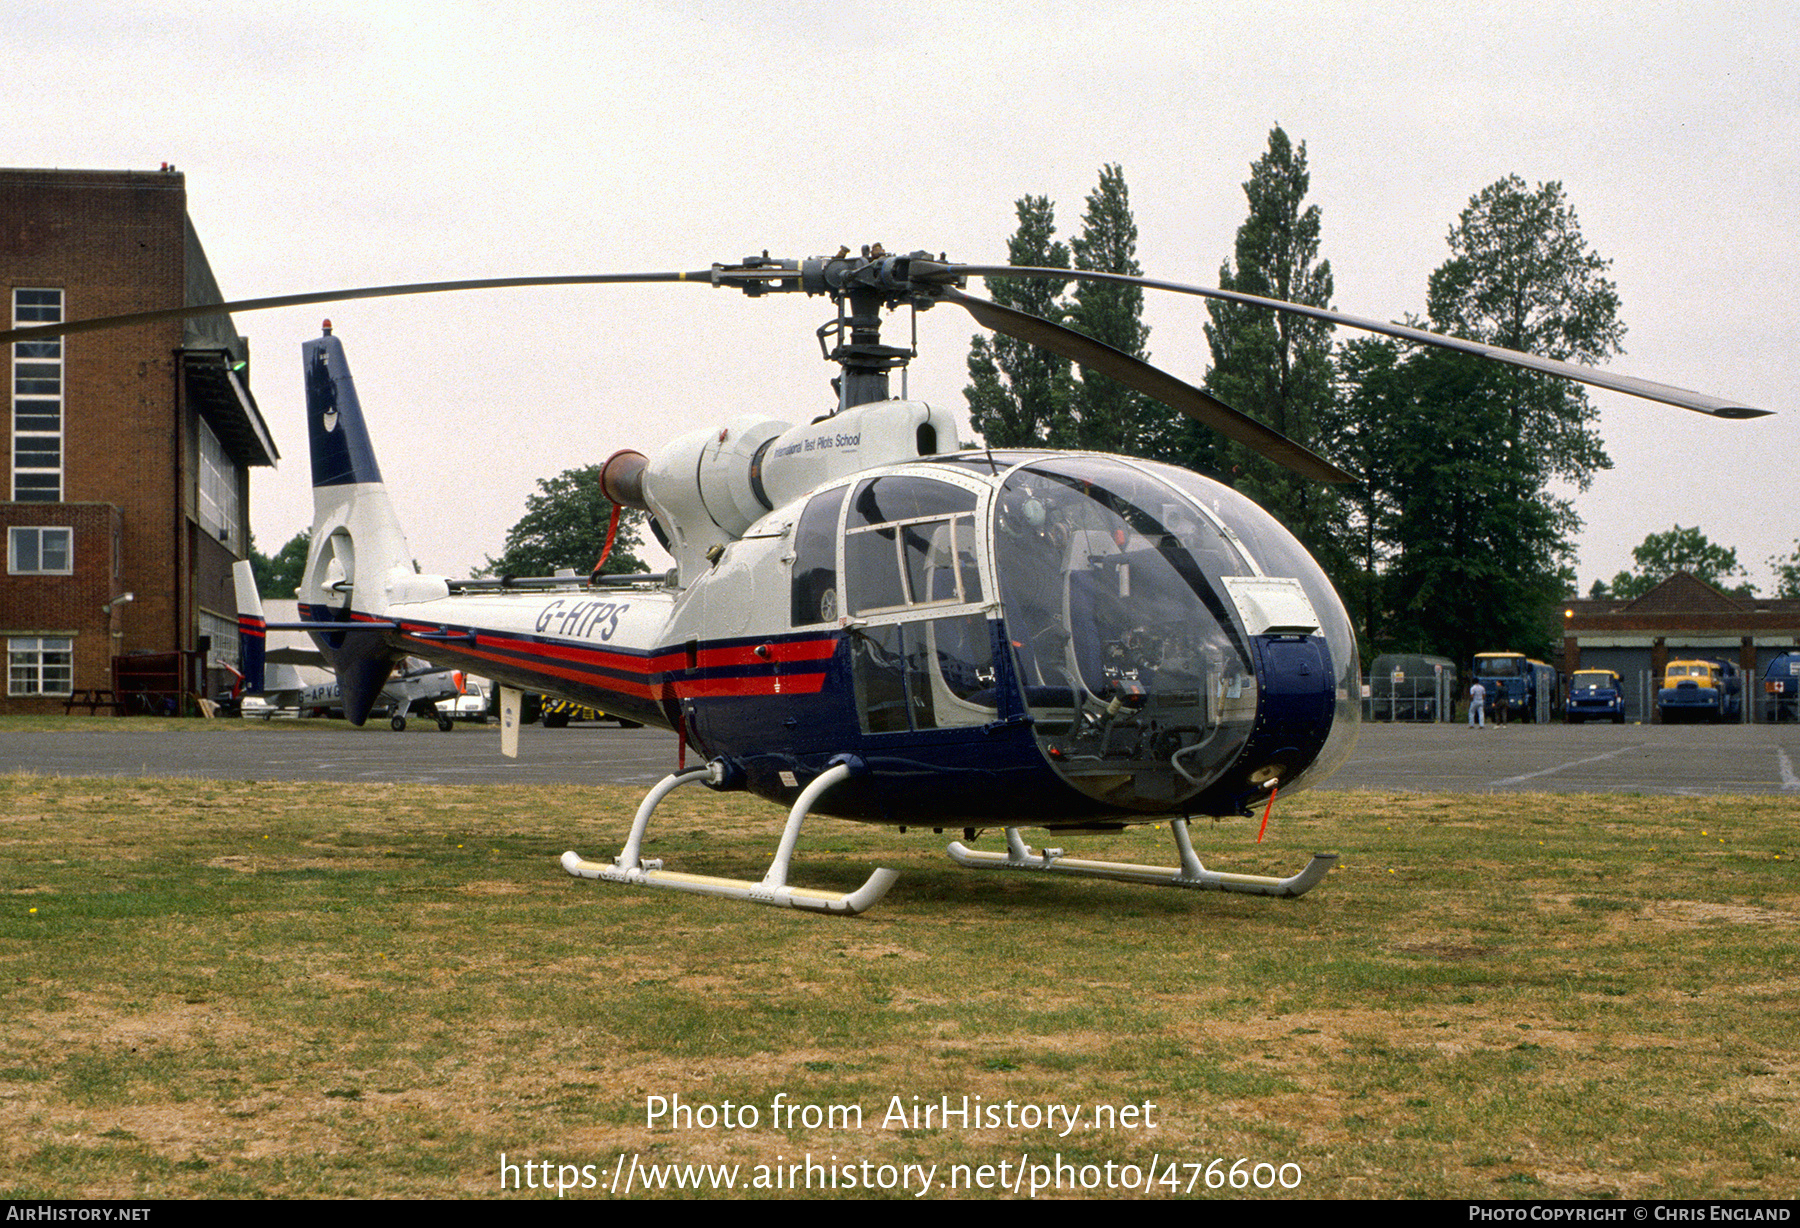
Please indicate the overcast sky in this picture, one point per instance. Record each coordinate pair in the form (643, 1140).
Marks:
(334, 144)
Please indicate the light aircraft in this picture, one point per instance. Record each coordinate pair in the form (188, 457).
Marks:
(415, 688)
(867, 622)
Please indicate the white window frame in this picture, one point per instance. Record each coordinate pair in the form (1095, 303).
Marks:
(20, 533)
(29, 673)
(217, 504)
(226, 647)
(29, 360)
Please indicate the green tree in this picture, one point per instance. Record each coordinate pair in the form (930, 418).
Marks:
(1479, 553)
(1522, 276)
(1105, 415)
(1661, 555)
(1276, 366)
(1019, 393)
(1378, 401)
(1479, 545)
(278, 577)
(564, 526)
(1787, 573)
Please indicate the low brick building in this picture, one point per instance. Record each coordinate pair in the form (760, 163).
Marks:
(1683, 618)
(127, 451)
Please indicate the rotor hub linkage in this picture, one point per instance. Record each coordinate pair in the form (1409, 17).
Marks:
(915, 279)
(861, 286)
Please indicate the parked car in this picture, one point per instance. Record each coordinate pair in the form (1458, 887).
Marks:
(1595, 695)
(471, 705)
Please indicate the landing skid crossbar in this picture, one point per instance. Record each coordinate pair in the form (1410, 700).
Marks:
(632, 868)
(1190, 874)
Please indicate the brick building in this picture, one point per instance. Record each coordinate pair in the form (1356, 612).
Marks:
(1683, 618)
(127, 452)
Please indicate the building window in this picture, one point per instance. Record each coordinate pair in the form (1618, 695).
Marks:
(37, 401)
(40, 665)
(223, 632)
(221, 514)
(40, 552)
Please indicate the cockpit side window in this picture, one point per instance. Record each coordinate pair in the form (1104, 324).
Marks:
(814, 597)
(910, 542)
(910, 564)
(886, 500)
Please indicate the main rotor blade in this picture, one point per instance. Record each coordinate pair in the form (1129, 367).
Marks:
(339, 296)
(1649, 390)
(1136, 374)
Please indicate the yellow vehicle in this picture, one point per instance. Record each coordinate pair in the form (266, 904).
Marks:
(559, 712)
(1699, 690)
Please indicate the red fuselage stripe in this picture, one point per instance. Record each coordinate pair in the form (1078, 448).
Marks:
(656, 674)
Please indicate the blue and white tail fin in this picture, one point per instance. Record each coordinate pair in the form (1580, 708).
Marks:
(359, 564)
(261, 671)
(341, 452)
(253, 628)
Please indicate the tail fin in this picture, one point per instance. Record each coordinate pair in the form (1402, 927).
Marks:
(253, 629)
(341, 452)
(359, 558)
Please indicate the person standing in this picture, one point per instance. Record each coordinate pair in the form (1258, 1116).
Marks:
(1477, 706)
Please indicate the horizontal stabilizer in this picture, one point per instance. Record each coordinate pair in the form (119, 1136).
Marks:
(322, 627)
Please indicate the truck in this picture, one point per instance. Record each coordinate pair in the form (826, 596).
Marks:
(1700, 691)
(1524, 687)
(1595, 695)
(1781, 687)
(1411, 687)
(557, 713)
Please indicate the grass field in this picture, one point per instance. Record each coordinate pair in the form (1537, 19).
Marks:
(221, 989)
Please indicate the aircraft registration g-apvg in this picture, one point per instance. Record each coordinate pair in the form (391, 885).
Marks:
(866, 622)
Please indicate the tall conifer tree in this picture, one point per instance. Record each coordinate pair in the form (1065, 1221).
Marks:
(1275, 366)
(1107, 416)
(1019, 393)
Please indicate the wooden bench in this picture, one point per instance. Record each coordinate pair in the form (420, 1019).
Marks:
(94, 699)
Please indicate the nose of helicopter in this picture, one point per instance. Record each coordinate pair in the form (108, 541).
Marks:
(1173, 647)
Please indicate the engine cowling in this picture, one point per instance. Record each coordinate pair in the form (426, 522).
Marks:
(707, 487)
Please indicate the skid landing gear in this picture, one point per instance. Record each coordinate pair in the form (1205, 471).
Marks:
(1190, 874)
(630, 867)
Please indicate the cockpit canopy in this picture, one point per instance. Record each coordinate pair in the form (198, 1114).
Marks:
(1135, 615)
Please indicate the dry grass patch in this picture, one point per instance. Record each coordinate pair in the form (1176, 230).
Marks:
(273, 989)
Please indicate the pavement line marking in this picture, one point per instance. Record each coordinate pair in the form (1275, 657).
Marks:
(1513, 780)
(1788, 779)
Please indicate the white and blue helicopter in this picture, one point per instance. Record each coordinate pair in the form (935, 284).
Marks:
(866, 622)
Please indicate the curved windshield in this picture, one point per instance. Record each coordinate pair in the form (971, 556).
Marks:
(1130, 655)
(1275, 552)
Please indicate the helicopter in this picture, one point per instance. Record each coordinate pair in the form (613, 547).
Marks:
(867, 621)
